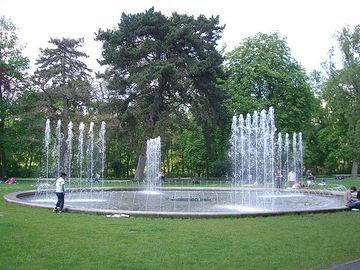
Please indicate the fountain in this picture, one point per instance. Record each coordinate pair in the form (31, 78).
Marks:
(153, 164)
(86, 171)
(261, 161)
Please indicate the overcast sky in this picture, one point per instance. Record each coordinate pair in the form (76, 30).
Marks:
(309, 25)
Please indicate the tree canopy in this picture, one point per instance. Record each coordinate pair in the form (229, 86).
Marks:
(13, 83)
(341, 93)
(63, 78)
(262, 73)
(162, 66)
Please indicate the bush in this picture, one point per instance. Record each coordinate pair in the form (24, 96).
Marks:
(220, 167)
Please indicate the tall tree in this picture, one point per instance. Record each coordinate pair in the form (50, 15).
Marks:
(160, 66)
(63, 78)
(262, 73)
(13, 66)
(342, 96)
(64, 82)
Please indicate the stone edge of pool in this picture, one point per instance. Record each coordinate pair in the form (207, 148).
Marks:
(15, 197)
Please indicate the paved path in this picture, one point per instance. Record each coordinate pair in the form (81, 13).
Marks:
(353, 265)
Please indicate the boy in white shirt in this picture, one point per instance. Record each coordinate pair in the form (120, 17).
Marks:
(60, 193)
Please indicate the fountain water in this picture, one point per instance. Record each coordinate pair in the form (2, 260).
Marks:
(90, 154)
(59, 153)
(46, 146)
(57, 147)
(68, 152)
(80, 152)
(101, 151)
(153, 164)
(259, 160)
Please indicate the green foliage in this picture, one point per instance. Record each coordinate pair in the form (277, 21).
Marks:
(13, 66)
(160, 68)
(262, 73)
(12, 63)
(185, 151)
(64, 80)
(160, 64)
(341, 94)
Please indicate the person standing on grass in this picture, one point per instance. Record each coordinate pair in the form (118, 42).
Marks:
(60, 193)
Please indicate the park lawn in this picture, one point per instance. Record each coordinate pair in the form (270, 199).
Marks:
(34, 238)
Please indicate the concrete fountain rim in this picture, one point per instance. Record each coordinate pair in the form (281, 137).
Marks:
(16, 197)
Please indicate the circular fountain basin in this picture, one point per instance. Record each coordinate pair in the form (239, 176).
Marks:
(187, 202)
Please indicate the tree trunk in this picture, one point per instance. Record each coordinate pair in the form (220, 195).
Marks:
(2, 163)
(355, 168)
(2, 130)
(29, 174)
(168, 161)
(128, 160)
(139, 173)
(2, 150)
(208, 149)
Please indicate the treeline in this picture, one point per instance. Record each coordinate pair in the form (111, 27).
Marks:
(164, 75)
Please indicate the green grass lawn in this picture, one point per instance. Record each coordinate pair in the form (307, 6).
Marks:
(34, 238)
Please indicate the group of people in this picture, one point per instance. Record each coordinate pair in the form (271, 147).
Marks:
(293, 182)
(350, 200)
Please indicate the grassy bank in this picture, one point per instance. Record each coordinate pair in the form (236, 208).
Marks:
(32, 238)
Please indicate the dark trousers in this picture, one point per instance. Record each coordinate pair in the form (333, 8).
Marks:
(60, 201)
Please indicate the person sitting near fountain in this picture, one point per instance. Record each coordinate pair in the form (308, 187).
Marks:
(195, 181)
(297, 185)
(309, 175)
(292, 179)
(348, 198)
(310, 178)
(3, 180)
(10, 181)
(310, 183)
(97, 177)
(322, 182)
(60, 193)
(161, 176)
(355, 205)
